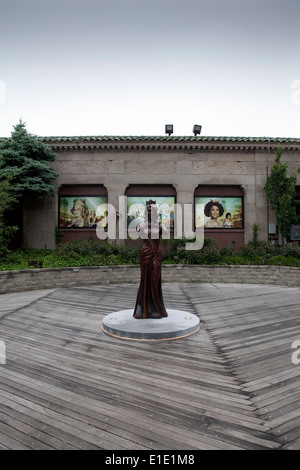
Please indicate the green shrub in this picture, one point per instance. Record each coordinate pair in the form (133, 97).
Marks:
(227, 251)
(233, 260)
(209, 242)
(211, 255)
(102, 253)
(281, 260)
(291, 250)
(88, 247)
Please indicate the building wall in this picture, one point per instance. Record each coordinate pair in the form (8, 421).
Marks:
(183, 167)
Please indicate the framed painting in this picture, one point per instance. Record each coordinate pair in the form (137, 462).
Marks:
(82, 211)
(136, 206)
(219, 212)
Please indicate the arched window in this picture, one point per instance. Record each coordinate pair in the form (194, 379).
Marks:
(80, 208)
(221, 210)
(137, 195)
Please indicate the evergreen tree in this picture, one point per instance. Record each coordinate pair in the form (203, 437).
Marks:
(6, 201)
(24, 163)
(281, 192)
(25, 156)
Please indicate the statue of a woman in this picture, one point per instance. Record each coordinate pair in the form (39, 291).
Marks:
(149, 302)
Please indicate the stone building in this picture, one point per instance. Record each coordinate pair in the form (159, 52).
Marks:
(232, 170)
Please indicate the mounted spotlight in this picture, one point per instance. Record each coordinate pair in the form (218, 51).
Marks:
(197, 129)
(169, 129)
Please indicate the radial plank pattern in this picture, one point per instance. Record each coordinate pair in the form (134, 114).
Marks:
(232, 385)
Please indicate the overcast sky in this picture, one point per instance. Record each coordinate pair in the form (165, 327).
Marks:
(128, 67)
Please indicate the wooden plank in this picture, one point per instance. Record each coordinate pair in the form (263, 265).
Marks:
(294, 445)
(68, 385)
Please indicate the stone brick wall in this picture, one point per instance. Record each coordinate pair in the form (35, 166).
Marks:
(18, 281)
(184, 163)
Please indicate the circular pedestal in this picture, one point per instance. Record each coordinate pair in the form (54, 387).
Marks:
(177, 325)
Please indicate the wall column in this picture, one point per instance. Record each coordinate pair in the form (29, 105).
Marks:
(185, 195)
(114, 190)
(41, 220)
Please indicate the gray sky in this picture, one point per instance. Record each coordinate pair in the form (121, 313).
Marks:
(128, 67)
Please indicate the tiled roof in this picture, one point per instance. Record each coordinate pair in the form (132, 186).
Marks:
(112, 138)
(165, 138)
(169, 143)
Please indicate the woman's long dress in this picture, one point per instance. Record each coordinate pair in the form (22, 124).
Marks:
(149, 302)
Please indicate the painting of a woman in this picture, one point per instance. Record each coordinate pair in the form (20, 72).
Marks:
(79, 213)
(149, 302)
(214, 210)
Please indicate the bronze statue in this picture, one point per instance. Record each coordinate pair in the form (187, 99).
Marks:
(149, 302)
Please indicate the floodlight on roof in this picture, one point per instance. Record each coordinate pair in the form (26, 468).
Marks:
(197, 129)
(169, 129)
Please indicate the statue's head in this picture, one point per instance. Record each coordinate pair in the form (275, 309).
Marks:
(151, 208)
(150, 202)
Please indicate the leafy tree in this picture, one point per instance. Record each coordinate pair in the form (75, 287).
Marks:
(281, 192)
(25, 162)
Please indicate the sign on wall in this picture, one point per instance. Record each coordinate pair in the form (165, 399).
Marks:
(219, 212)
(82, 211)
(136, 206)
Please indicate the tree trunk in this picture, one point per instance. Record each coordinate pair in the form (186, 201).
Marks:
(24, 224)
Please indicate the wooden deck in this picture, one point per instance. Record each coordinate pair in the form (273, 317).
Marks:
(232, 385)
